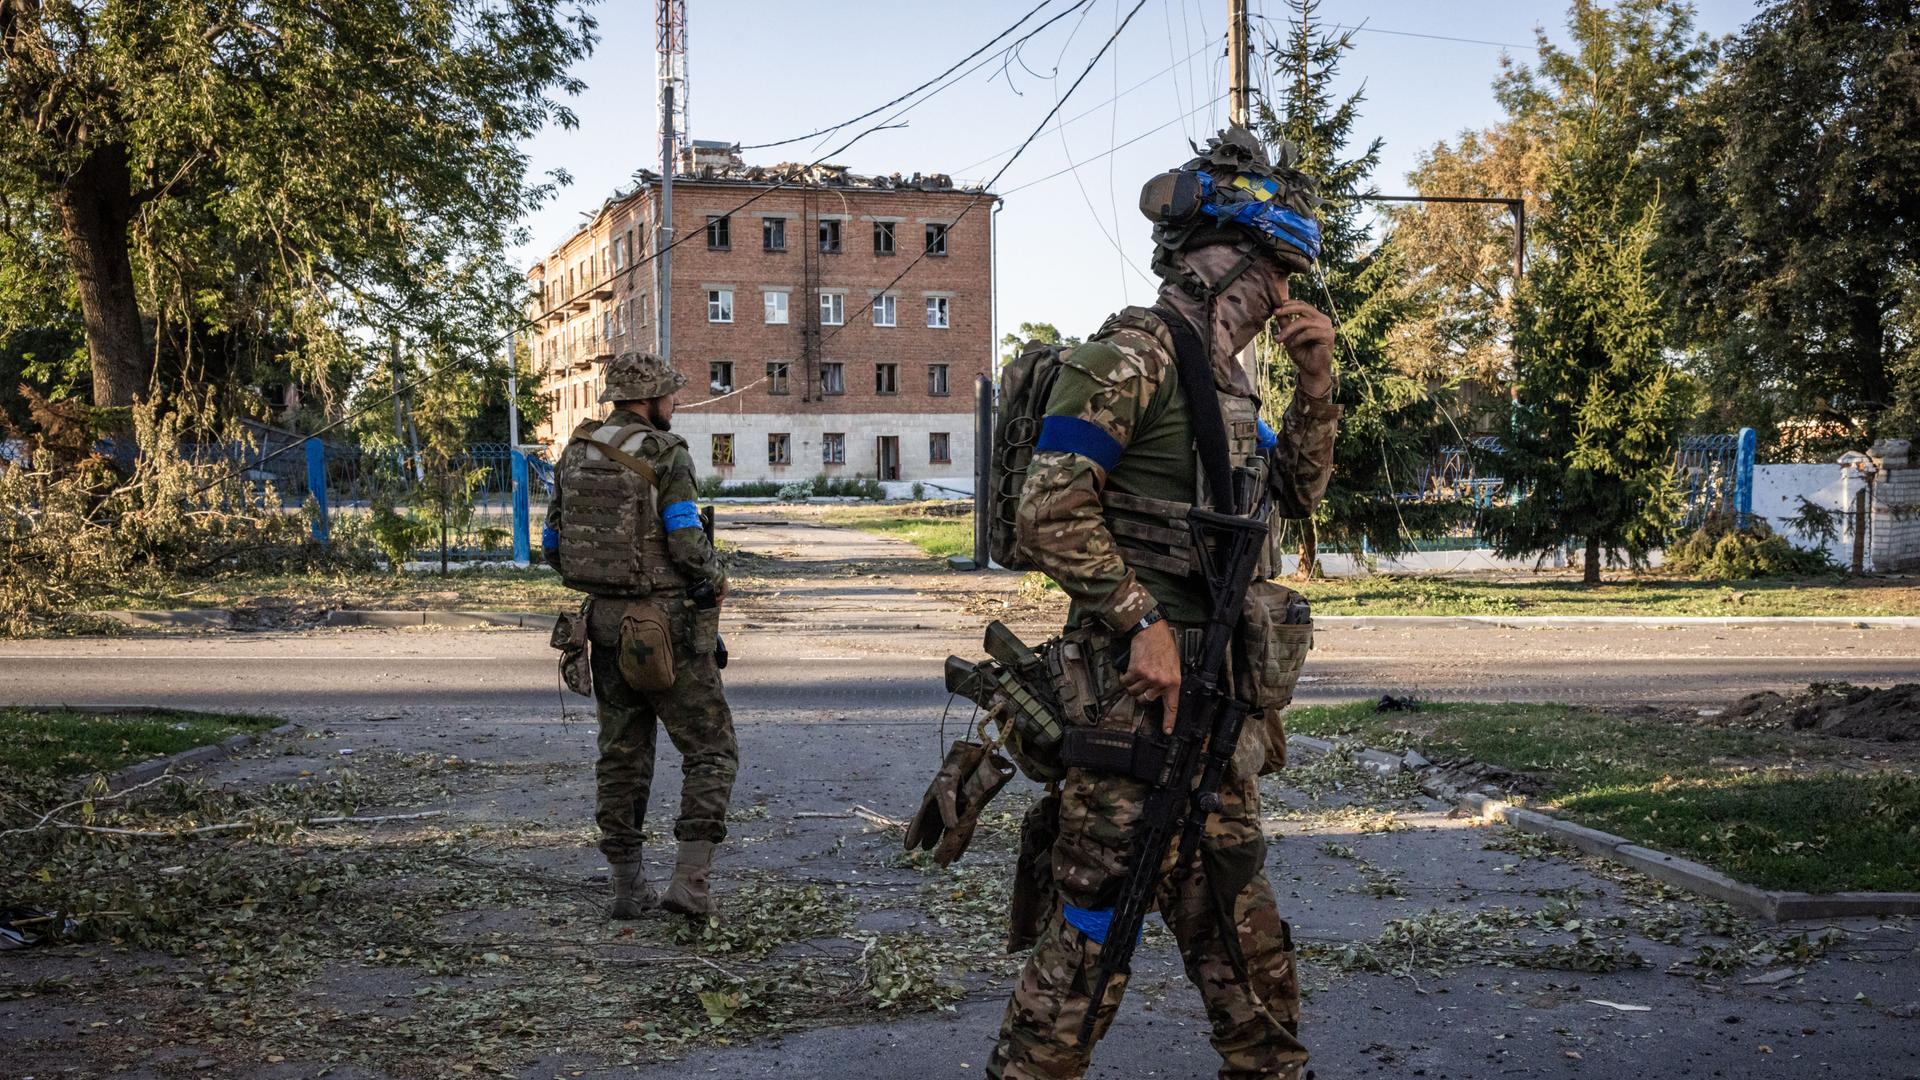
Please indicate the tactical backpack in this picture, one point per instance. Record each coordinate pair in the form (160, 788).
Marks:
(608, 517)
(1025, 384)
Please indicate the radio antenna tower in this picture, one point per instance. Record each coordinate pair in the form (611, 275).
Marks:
(670, 26)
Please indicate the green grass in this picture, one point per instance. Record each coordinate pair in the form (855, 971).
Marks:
(1773, 809)
(922, 525)
(57, 744)
(1563, 595)
(489, 589)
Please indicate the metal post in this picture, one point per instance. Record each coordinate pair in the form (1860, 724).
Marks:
(982, 466)
(317, 488)
(664, 230)
(1743, 478)
(513, 395)
(522, 541)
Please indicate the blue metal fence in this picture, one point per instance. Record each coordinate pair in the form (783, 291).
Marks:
(345, 480)
(1715, 474)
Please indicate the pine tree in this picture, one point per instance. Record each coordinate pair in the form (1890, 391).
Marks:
(1589, 447)
(1394, 424)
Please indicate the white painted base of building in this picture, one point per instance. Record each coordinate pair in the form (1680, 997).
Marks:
(806, 434)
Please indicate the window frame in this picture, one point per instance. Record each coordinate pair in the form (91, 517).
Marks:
(772, 228)
(715, 368)
(779, 377)
(886, 229)
(946, 440)
(838, 370)
(886, 378)
(784, 444)
(937, 234)
(722, 439)
(838, 229)
(943, 387)
(944, 306)
(835, 301)
(720, 301)
(785, 305)
(720, 229)
(833, 448)
(890, 302)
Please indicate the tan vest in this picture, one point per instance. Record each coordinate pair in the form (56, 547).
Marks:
(612, 541)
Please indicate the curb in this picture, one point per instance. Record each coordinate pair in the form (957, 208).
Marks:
(1773, 905)
(468, 619)
(199, 755)
(197, 618)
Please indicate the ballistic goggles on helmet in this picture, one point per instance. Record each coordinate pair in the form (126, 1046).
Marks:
(1194, 206)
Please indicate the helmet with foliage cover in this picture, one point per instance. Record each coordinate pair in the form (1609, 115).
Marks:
(1233, 194)
(638, 376)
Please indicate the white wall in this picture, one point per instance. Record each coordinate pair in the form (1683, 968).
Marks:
(750, 431)
(1778, 489)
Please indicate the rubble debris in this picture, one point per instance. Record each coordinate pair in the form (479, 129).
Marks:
(1889, 714)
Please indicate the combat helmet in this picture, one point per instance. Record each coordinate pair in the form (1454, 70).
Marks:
(1232, 193)
(637, 376)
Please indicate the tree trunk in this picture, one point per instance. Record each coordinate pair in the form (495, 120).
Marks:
(1309, 550)
(1592, 573)
(96, 207)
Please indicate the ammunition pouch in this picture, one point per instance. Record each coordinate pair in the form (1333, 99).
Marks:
(1275, 634)
(570, 637)
(1151, 533)
(646, 649)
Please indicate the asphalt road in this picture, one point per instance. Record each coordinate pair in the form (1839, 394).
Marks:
(835, 686)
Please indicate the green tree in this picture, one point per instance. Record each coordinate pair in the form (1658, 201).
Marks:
(283, 174)
(1794, 236)
(1589, 447)
(1010, 344)
(1394, 424)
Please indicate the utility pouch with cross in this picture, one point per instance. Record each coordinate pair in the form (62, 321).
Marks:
(646, 648)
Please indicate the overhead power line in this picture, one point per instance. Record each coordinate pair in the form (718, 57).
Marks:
(937, 78)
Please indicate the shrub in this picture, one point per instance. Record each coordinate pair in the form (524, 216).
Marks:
(1717, 550)
(798, 491)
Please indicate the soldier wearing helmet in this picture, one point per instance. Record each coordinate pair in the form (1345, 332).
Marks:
(1115, 470)
(623, 528)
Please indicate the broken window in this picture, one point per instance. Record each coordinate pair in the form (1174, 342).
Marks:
(886, 378)
(936, 239)
(779, 448)
(773, 234)
(830, 235)
(723, 449)
(937, 380)
(833, 448)
(939, 312)
(833, 378)
(719, 232)
(883, 238)
(720, 376)
(939, 448)
(777, 376)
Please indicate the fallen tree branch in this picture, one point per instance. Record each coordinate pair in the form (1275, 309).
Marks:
(229, 826)
(48, 817)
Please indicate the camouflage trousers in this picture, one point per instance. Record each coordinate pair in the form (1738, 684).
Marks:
(695, 714)
(1255, 1021)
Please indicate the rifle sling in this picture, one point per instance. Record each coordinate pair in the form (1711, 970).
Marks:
(1195, 369)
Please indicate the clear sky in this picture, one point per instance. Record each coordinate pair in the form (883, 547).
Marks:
(1072, 245)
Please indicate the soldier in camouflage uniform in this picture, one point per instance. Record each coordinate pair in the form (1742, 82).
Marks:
(652, 528)
(1117, 440)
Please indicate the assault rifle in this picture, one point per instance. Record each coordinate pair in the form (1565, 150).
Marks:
(1186, 787)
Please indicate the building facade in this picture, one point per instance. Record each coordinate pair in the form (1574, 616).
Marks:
(802, 354)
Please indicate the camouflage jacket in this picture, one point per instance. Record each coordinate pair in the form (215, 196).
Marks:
(1119, 395)
(688, 548)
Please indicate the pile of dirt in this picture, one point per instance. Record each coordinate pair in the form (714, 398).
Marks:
(1890, 714)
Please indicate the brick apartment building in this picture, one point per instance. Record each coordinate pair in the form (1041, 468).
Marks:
(797, 362)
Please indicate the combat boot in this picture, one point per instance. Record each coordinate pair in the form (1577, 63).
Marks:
(687, 894)
(632, 895)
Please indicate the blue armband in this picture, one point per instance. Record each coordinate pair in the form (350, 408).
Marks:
(680, 515)
(1072, 435)
(550, 539)
(1266, 437)
(1094, 924)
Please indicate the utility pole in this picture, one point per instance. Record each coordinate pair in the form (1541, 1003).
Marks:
(670, 25)
(1239, 69)
(1240, 111)
(513, 397)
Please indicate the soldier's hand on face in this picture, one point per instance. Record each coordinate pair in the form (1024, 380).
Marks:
(1153, 670)
(1307, 335)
